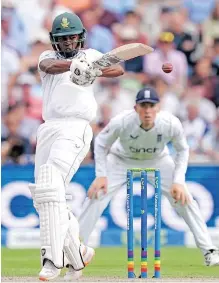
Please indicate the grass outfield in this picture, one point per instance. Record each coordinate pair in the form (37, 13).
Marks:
(176, 262)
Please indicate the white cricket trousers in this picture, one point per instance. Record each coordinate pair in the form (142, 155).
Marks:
(117, 168)
(63, 143)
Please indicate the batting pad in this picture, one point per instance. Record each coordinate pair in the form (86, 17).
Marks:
(32, 188)
(72, 245)
(54, 221)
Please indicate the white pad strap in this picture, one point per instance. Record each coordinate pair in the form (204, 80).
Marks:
(51, 205)
(32, 188)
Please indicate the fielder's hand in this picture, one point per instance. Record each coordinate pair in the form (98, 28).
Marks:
(179, 193)
(98, 185)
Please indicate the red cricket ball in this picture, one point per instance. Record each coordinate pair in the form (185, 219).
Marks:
(167, 67)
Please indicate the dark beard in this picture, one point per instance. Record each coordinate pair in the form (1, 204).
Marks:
(69, 54)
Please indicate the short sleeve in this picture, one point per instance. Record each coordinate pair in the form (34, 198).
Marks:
(48, 54)
(93, 54)
(177, 129)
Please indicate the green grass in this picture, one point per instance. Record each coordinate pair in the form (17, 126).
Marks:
(175, 262)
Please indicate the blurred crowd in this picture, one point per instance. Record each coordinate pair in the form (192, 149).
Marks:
(183, 32)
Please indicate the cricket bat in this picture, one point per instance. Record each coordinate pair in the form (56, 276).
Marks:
(121, 54)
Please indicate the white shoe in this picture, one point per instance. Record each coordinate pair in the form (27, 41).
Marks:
(87, 255)
(49, 271)
(212, 258)
(72, 274)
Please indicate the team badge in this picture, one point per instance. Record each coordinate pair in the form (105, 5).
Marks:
(65, 23)
(147, 94)
(159, 138)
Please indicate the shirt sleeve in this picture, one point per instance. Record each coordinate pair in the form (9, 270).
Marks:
(103, 143)
(48, 54)
(182, 151)
(93, 54)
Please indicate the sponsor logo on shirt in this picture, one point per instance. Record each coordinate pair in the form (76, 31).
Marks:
(143, 150)
(133, 137)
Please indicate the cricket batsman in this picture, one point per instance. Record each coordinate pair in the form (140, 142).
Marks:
(138, 139)
(63, 141)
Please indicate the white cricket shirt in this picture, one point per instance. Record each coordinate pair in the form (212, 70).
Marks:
(124, 137)
(64, 99)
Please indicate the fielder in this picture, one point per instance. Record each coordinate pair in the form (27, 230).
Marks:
(63, 142)
(138, 139)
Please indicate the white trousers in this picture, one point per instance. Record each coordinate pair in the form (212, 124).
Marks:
(117, 168)
(64, 144)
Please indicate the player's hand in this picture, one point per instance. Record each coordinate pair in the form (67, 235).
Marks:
(98, 185)
(179, 193)
(94, 72)
(82, 72)
(79, 67)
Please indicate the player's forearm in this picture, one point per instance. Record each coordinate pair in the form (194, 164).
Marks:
(54, 67)
(103, 143)
(112, 72)
(100, 154)
(181, 163)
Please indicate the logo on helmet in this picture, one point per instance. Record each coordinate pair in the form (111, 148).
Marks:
(65, 23)
(147, 94)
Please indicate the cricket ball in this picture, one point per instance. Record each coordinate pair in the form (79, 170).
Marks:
(167, 67)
